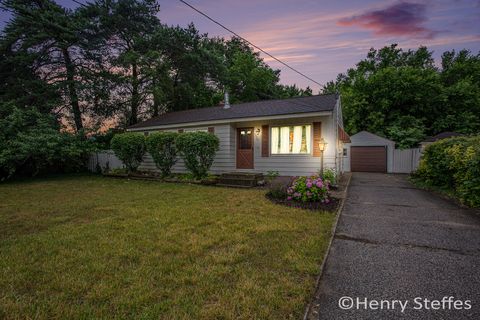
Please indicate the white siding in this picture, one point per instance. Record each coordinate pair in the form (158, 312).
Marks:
(290, 165)
(224, 160)
(287, 165)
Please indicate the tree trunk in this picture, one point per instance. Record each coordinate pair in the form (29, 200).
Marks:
(156, 99)
(135, 97)
(72, 90)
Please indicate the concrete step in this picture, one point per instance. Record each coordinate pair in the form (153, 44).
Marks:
(240, 179)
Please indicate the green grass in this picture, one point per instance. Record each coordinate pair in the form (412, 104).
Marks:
(91, 247)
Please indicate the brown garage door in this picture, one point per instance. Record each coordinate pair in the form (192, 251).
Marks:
(369, 159)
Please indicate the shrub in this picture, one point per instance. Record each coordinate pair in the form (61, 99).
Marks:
(453, 164)
(129, 147)
(271, 175)
(31, 144)
(277, 189)
(162, 148)
(198, 150)
(309, 189)
(329, 175)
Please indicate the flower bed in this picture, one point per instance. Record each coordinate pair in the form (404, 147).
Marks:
(304, 192)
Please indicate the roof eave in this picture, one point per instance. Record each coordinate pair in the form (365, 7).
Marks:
(223, 121)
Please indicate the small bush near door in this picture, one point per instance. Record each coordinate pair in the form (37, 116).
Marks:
(453, 164)
(198, 150)
(129, 147)
(162, 148)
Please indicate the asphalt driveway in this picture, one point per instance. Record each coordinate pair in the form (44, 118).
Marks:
(395, 243)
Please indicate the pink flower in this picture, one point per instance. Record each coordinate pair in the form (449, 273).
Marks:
(309, 185)
(289, 198)
(327, 200)
(319, 184)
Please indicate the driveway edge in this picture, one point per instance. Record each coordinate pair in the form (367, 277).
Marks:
(310, 311)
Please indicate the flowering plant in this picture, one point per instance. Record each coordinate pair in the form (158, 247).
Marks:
(309, 189)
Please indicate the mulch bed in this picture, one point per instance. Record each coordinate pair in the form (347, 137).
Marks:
(314, 206)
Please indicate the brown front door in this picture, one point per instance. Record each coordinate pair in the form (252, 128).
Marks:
(368, 159)
(245, 148)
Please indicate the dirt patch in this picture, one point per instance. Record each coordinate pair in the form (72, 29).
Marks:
(313, 206)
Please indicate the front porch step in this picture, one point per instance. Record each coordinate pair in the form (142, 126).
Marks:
(239, 179)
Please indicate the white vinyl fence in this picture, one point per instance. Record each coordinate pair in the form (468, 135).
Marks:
(406, 161)
(105, 159)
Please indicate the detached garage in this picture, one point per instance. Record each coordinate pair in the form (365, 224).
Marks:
(368, 152)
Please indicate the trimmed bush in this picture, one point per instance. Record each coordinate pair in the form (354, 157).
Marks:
(198, 150)
(453, 164)
(129, 147)
(162, 148)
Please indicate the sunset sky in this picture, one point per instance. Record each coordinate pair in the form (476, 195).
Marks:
(324, 38)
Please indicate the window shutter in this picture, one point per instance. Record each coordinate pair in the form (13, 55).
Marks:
(317, 135)
(180, 130)
(211, 129)
(265, 140)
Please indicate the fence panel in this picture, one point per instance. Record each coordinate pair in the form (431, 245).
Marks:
(406, 161)
(104, 159)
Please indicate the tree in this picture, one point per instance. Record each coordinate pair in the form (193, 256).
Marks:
(131, 25)
(51, 32)
(402, 95)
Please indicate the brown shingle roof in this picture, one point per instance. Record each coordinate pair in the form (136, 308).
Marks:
(263, 108)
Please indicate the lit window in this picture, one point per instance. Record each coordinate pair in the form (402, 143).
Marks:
(291, 140)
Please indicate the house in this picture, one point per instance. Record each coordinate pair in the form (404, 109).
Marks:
(368, 152)
(440, 136)
(257, 137)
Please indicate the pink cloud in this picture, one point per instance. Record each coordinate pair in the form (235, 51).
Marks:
(401, 19)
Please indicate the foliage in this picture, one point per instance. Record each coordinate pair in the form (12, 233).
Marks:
(30, 143)
(129, 147)
(453, 163)
(271, 175)
(162, 148)
(198, 149)
(403, 96)
(329, 175)
(277, 189)
(307, 189)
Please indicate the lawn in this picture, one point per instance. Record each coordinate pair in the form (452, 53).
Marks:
(91, 247)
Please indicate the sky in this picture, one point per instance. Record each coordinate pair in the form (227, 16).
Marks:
(323, 38)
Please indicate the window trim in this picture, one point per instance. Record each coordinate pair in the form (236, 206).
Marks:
(290, 154)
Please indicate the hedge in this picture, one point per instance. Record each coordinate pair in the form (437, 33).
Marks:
(198, 150)
(453, 164)
(129, 147)
(162, 148)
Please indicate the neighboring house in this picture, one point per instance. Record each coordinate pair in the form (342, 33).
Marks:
(440, 136)
(279, 135)
(368, 152)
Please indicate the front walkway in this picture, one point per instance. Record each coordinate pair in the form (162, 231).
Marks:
(396, 242)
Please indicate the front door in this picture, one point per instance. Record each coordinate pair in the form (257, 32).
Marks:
(245, 148)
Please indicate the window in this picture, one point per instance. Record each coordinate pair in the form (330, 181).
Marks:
(245, 139)
(344, 152)
(291, 140)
